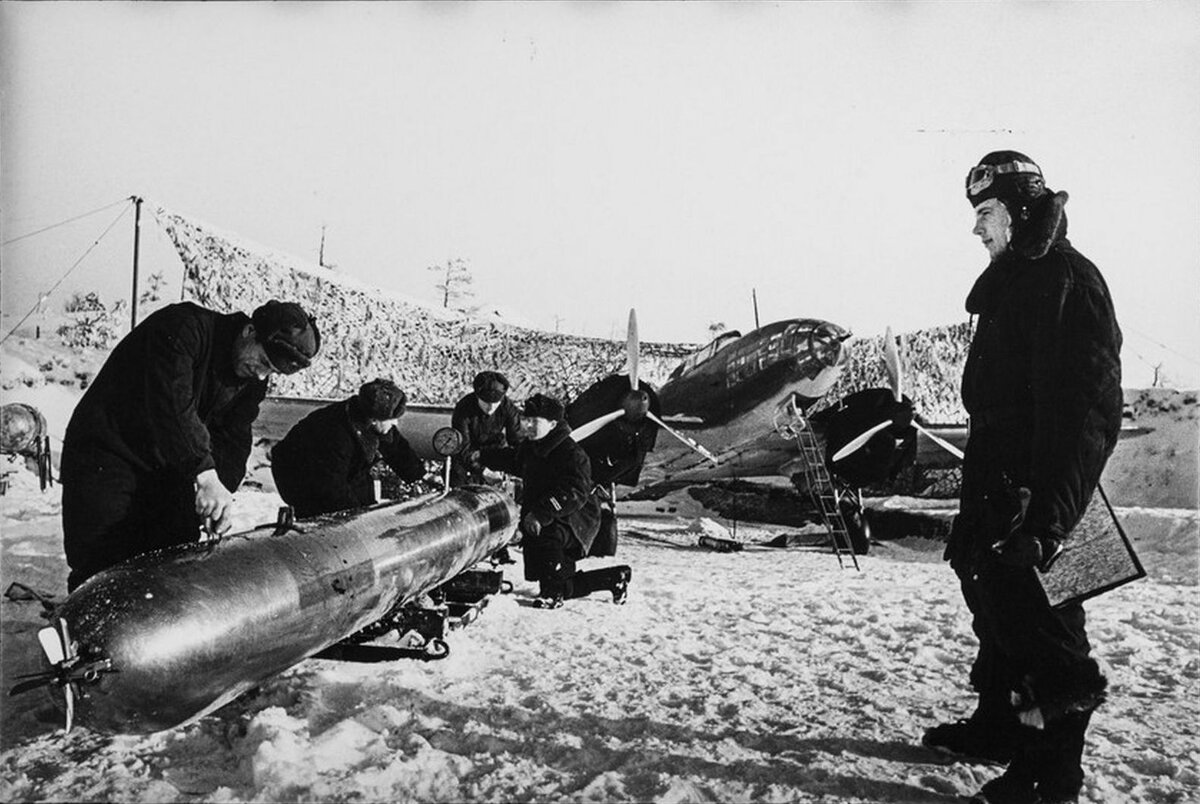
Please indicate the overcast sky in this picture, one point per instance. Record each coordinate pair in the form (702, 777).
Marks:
(586, 158)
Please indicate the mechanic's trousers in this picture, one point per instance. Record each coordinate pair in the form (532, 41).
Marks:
(111, 512)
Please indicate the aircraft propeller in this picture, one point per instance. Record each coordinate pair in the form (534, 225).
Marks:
(892, 365)
(635, 403)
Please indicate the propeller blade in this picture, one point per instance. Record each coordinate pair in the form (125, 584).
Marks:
(588, 428)
(858, 442)
(941, 442)
(52, 645)
(631, 349)
(34, 681)
(691, 443)
(68, 688)
(891, 362)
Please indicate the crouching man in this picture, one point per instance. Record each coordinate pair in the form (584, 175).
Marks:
(158, 444)
(324, 462)
(559, 514)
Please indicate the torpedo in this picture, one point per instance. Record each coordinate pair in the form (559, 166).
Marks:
(167, 637)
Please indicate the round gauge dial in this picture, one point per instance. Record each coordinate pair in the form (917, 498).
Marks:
(448, 441)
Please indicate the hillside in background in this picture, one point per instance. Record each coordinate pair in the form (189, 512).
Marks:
(1155, 465)
(788, 679)
(434, 353)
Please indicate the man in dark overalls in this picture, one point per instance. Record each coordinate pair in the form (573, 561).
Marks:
(158, 443)
(1042, 385)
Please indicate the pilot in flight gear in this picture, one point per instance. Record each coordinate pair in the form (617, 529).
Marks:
(1042, 385)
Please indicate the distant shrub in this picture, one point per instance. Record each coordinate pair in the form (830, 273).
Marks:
(94, 325)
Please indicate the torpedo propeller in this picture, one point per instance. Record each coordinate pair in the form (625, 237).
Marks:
(67, 667)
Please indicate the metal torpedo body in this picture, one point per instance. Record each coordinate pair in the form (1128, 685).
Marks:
(167, 637)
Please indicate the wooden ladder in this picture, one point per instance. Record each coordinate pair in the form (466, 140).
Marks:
(821, 487)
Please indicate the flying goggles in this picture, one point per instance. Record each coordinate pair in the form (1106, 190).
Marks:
(981, 176)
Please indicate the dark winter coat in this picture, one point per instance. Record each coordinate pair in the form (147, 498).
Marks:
(1042, 382)
(557, 482)
(167, 400)
(324, 462)
(501, 429)
(481, 431)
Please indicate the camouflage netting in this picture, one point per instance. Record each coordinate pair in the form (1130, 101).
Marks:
(433, 353)
(932, 366)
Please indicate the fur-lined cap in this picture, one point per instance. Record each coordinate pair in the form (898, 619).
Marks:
(1015, 180)
(1045, 224)
(380, 400)
(288, 334)
(544, 407)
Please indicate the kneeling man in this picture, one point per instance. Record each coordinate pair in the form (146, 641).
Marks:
(324, 462)
(560, 515)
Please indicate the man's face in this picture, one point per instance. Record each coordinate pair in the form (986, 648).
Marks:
(249, 358)
(537, 427)
(993, 226)
(488, 407)
(382, 426)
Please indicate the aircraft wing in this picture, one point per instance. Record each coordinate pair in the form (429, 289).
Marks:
(932, 455)
(277, 414)
(758, 456)
(765, 454)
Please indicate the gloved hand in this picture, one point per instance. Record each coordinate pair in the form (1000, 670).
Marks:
(1024, 549)
(530, 525)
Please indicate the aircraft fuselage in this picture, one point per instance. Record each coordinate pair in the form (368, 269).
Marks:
(734, 376)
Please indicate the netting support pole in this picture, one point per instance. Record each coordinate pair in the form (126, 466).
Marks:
(137, 231)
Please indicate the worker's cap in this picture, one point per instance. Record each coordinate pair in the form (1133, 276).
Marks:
(543, 407)
(381, 400)
(490, 386)
(288, 335)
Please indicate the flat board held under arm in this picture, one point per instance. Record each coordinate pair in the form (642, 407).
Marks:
(1098, 556)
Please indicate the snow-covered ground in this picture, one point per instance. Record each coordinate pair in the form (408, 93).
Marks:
(765, 674)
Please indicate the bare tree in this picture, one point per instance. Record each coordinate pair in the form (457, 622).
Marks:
(321, 254)
(456, 283)
(152, 293)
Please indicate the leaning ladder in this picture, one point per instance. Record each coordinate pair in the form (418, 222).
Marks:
(821, 488)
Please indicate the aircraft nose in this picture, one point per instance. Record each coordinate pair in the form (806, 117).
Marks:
(827, 341)
(636, 403)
